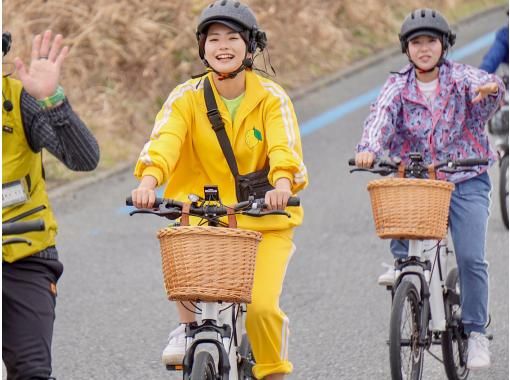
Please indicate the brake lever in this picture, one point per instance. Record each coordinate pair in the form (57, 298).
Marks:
(383, 172)
(169, 213)
(456, 170)
(256, 212)
(359, 170)
(143, 211)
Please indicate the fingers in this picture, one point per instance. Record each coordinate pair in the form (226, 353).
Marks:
(477, 99)
(277, 199)
(364, 159)
(143, 198)
(20, 68)
(62, 56)
(44, 48)
(55, 48)
(152, 198)
(36, 47)
(45, 45)
(283, 201)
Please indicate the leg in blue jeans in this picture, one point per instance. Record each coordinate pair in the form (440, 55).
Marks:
(469, 213)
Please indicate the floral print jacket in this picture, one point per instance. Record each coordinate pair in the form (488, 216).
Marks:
(401, 120)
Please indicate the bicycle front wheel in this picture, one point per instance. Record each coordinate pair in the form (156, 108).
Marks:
(203, 367)
(503, 189)
(406, 353)
(453, 342)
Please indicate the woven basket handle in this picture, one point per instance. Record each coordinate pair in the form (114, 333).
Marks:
(432, 172)
(232, 221)
(185, 214)
(401, 170)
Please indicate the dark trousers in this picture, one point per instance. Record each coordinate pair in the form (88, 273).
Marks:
(28, 313)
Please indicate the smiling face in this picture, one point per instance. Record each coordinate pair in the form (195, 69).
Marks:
(224, 48)
(425, 51)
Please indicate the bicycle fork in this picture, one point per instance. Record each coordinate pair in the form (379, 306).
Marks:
(213, 322)
(430, 256)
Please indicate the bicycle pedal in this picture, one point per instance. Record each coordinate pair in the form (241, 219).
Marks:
(176, 367)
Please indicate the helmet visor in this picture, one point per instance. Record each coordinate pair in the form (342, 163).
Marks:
(424, 32)
(236, 27)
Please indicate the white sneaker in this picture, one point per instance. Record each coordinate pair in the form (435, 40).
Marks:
(173, 354)
(387, 278)
(479, 355)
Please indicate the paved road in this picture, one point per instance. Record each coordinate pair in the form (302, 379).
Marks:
(113, 317)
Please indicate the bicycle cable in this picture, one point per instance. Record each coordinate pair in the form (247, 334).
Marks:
(234, 329)
(228, 307)
(194, 305)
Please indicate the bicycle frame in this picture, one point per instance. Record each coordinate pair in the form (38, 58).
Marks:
(431, 257)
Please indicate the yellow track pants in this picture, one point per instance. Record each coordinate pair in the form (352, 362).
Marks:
(266, 324)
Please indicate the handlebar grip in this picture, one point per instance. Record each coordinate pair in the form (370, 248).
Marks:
(472, 162)
(352, 162)
(294, 201)
(22, 227)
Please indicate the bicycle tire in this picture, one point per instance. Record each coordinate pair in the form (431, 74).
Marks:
(204, 367)
(453, 349)
(244, 368)
(406, 294)
(503, 189)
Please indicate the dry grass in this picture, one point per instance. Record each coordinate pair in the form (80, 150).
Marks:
(127, 55)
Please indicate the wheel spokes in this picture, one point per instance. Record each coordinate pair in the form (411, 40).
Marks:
(409, 340)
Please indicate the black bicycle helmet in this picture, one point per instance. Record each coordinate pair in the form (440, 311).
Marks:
(236, 16)
(426, 22)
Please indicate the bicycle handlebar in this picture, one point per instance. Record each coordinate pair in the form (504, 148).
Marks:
(172, 209)
(22, 227)
(385, 167)
(292, 202)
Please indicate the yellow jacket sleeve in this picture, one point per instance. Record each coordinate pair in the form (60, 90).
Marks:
(160, 155)
(284, 142)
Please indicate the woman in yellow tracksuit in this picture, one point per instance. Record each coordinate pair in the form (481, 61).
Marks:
(184, 153)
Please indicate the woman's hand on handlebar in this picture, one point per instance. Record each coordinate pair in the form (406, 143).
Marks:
(364, 159)
(144, 195)
(277, 199)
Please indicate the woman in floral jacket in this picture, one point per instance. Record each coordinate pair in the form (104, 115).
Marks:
(439, 108)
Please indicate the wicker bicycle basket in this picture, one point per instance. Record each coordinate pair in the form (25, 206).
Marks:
(208, 264)
(407, 208)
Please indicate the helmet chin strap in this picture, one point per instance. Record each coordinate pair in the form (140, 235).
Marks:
(247, 62)
(421, 71)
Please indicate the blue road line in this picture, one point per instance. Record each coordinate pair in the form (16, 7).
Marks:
(339, 111)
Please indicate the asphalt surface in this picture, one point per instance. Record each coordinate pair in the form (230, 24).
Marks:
(112, 314)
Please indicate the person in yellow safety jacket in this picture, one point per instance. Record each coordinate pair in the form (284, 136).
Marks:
(35, 115)
(184, 153)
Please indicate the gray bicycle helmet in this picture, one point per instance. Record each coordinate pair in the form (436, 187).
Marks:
(236, 16)
(426, 22)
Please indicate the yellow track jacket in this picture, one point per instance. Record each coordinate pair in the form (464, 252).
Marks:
(184, 151)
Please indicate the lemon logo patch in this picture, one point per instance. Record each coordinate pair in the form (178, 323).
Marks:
(253, 137)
